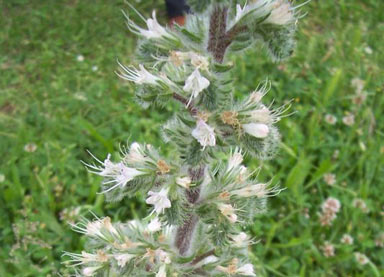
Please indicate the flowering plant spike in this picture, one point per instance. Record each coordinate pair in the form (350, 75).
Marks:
(202, 196)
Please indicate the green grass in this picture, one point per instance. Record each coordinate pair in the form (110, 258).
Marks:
(50, 99)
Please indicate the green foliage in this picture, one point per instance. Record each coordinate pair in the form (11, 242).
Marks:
(278, 40)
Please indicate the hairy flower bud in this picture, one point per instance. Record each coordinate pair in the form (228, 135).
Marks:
(257, 130)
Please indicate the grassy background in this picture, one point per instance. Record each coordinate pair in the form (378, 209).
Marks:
(64, 106)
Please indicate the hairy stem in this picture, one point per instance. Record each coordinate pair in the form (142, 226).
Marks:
(184, 234)
(219, 37)
(219, 40)
(191, 108)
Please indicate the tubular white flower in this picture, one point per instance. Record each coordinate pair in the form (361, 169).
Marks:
(123, 259)
(246, 270)
(106, 223)
(116, 174)
(90, 270)
(86, 258)
(240, 11)
(228, 211)
(257, 130)
(159, 200)
(361, 258)
(204, 134)
(154, 29)
(140, 77)
(121, 177)
(257, 95)
(195, 84)
(185, 182)
(154, 225)
(259, 190)
(135, 154)
(282, 13)
(347, 239)
(94, 229)
(107, 167)
(99, 228)
(240, 240)
(235, 160)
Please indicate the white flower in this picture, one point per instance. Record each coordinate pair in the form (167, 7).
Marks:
(90, 270)
(368, 50)
(240, 240)
(235, 160)
(347, 239)
(122, 259)
(121, 177)
(328, 249)
(360, 204)
(86, 258)
(195, 84)
(259, 190)
(80, 58)
(30, 147)
(243, 174)
(239, 12)
(330, 179)
(141, 76)
(257, 130)
(155, 30)
(204, 134)
(90, 228)
(154, 225)
(185, 182)
(281, 14)
(263, 115)
(162, 271)
(199, 61)
(159, 200)
(93, 229)
(330, 119)
(258, 94)
(358, 84)
(116, 174)
(135, 154)
(361, 258)
(349, 119)
(228, 211)
(331, 204)
(106, 224)
(95, 68)
(2, 178)
(246, 270)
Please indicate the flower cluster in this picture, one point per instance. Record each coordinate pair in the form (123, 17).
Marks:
(329, 210)
(202, 194)
(328, 249)
(120, 246)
